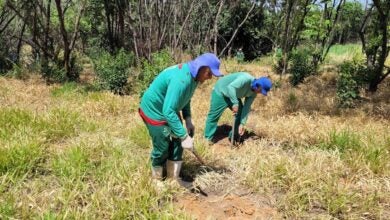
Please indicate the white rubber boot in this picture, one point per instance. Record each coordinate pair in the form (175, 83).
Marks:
(173, 172)
(157, 173)
(157, 176)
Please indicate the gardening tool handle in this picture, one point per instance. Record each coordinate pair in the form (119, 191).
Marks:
(233, 130)
(198, 157)
(191, 134)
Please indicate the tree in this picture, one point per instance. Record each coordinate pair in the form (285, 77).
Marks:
(295, 13)
(351, 14)
(374, 36)
(68, 42)
(321, 28)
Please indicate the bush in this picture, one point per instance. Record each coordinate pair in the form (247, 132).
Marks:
(5, 61)
(113, 70)
(277, 65)
(52, 72)
(351, 77)
(18, 72)
(5, 64)
(150, 69)
(75, 68)
(301, 66)
(292, 102)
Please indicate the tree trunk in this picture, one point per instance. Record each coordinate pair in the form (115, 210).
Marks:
(216, 26)
(239, 26)
(286, 40)
(20, 40)
(383, 12)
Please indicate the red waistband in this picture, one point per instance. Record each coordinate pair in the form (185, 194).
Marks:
(149, 120)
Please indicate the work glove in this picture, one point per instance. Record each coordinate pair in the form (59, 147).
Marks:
(235, 110)
(188, 143)
(241, 130)
(190, 127)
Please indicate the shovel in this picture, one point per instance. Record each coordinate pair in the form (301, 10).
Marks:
(198, 157)
(191, 134)
(233, 131)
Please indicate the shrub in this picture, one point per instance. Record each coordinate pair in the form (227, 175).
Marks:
(5, 62)
(150, 69)
(52, 72)
(301, 66)
(352, 75)
(113, 70)
(18, 72)
(277, 65)
(292, 103)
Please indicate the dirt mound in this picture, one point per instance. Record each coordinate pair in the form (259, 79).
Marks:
(230, 206)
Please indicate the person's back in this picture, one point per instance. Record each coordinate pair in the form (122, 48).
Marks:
(240, 82)
(152, 102)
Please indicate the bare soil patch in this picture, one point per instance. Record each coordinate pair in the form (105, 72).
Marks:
(225, 197)
(232, 205)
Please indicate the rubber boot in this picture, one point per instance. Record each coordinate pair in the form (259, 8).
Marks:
(173, 172)
(157, 177)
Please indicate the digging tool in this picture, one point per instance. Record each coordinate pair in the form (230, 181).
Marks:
(191, 134)
(233, 131)
(198, 157)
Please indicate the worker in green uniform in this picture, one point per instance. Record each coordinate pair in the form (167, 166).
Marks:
(236, 91)
(169, 94)
(240, 56)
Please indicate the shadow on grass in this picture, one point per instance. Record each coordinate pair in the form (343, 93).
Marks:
(192, 170)
(223, 131)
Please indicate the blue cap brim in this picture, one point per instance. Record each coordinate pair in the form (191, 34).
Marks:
(216, 73)
(263, 91)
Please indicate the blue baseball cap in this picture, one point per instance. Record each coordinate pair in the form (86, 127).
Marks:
(265, 84)
(206, 59)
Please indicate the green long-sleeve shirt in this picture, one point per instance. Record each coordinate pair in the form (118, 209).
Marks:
(170, 93)
(236, 86)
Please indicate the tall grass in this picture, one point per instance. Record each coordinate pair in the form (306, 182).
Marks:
(360, 152)
(340, 53)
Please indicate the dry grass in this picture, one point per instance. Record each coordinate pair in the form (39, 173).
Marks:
(312, 160)
(290, 162)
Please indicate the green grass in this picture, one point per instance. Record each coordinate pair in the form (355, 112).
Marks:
(25, 136)
(267, 60)
(140, 136)
(21, 159)
(340, 53)
(339, 49)
(67, 89)
(360, 151)
(73, 164)
(7, 209)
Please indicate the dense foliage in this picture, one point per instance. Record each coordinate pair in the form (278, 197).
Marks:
(52, 32)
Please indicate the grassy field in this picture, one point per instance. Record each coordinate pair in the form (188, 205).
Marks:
(70, 154)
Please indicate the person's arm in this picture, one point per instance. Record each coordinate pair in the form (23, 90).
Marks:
(187, 117)
(246, 108)
(187, 110)
(172, 97)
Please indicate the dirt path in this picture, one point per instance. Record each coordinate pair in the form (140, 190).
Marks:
(222, 196)
(228, 206)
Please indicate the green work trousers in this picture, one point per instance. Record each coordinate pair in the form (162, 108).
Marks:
(164, 145)
(217, 107)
